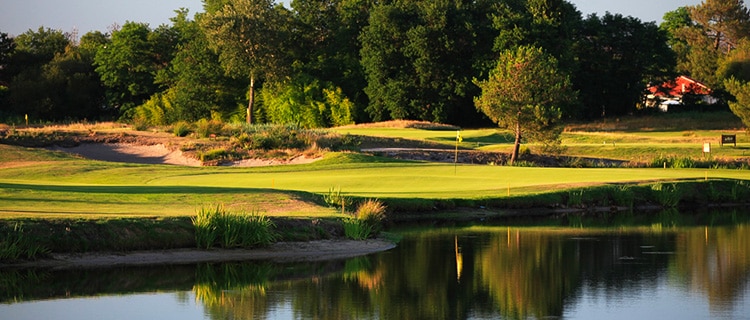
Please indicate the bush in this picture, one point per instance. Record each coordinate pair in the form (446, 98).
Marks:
(231, 230)
(181, 129)
(204, 128)
(214, 154)
(366, 221)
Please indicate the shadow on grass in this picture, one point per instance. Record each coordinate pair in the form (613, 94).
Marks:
(144, 189)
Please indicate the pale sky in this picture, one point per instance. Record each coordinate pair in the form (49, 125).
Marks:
(18, 16)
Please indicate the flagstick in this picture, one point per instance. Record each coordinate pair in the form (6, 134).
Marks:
(455, 157)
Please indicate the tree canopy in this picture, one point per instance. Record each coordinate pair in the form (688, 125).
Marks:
(524, 93)
(381, 59)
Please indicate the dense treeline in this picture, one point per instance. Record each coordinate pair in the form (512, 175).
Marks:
(333, 62)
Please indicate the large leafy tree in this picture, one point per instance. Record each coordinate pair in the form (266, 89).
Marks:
(7, 46)
(247, 36)
(327, 46)
(524, 93)
(52, 78)
(612, 75)
(419, 58)
(129, 63)
(198, 87)
(549, 24)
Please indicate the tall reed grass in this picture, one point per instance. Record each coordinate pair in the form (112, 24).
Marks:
(216, 226)
(667, 195)
(15, 245)
(366, 222)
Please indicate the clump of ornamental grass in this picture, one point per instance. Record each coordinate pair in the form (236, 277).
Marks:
(367, 220)
(218, 227)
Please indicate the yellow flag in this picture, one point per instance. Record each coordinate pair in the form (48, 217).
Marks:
(458, 136)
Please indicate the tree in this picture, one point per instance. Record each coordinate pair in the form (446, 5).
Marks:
(128, 65)
(724, 21)
(306, 102)
(548, 24)
(672, 23)
(736, 64)
(611, 75)
(246, 36)
(198, 86)
(716, 28)
(419, 58)
(524, 92)
(741, 92)
(327, 46)
(7, 47)
(52, 79)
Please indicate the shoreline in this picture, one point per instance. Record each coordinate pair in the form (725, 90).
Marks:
(308, 251)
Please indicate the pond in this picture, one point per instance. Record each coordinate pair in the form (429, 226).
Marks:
(646, 271)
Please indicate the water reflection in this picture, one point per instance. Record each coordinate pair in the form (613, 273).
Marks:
(459, 273)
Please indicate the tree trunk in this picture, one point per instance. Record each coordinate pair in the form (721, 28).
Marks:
(517, 144)
(251, 100)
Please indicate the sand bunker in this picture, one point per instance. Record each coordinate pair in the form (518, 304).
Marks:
(131, 153)
(160, 154)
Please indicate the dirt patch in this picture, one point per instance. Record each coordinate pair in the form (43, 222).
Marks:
(318, 250)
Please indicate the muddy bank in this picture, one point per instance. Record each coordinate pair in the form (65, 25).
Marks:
(318, 250)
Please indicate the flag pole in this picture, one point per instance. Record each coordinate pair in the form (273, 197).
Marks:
(455, 157)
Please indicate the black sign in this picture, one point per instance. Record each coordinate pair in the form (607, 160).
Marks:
(728, 138)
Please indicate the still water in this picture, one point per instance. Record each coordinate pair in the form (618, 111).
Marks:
(479, 272)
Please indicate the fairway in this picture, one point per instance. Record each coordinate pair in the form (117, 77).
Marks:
(60, 186)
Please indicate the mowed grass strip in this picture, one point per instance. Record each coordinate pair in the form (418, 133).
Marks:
(74, 187)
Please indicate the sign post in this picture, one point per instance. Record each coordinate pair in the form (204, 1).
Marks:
(706, 148)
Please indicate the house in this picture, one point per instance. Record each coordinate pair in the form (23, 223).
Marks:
(672, 93)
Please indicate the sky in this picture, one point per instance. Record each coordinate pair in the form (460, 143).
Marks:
(18, 16)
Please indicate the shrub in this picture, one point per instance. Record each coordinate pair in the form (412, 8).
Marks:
(214, 154)
(181, 129)
(204, 128)
(230, 230)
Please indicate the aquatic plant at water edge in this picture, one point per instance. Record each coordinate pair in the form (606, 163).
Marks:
(667, 195)
(623, 196)
(575, 198)
(366, 221)
(216, 226)
(15, 245)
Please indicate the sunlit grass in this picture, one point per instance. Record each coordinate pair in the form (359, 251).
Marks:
(93, 188)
